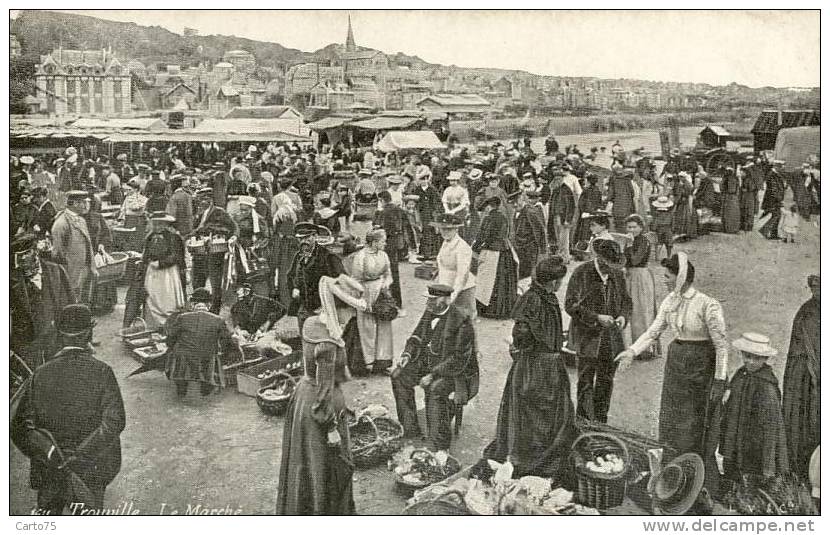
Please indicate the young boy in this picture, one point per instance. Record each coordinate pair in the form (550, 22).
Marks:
(753, 439)
(789, 223)
(663, 219)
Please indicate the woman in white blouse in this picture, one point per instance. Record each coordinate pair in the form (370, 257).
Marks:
(696, 366)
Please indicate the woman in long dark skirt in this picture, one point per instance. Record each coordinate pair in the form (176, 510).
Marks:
(731, 203)
(802, 382)
(535, 426)
(429, 204)
(589, 202)
(684, 224)
(694, 379)
(498, 272)
(316, 468)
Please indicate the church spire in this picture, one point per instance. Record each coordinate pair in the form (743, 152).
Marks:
(350, 44)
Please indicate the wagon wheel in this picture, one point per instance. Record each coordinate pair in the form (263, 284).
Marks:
(719, 159)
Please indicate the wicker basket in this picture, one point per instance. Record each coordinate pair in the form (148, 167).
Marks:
(374, 440)
(441, 505)
(114, 271)
(408, 488)
(276, 407)
(599, 490)
(137, 329)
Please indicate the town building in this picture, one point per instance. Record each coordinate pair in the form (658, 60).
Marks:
(242, 60)
(15, 49)
(83, 82)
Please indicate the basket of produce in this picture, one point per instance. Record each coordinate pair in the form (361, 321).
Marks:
(449, 503)
(113, 268)
(198, 245)
(218, 245)
(273, 399)
(374, 440)
(600, 464)
(419, 468)
(149, 338)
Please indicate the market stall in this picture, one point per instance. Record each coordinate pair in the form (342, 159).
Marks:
(397, 141)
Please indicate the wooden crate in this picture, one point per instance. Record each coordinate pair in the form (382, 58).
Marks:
(247, 381)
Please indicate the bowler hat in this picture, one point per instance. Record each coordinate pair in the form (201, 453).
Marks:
(76, 195)
(74, 319)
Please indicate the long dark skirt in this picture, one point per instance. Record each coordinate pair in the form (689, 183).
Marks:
(687, 381)
(582, 232)
(283, 249)
(749, 207)
(104, 298)
(315, 479)
(536, 418)
(504, 292)
(731, 213)
(802, 414)
(684, 223)
(430, 242)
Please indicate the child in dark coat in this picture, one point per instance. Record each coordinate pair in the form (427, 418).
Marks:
(753, 441)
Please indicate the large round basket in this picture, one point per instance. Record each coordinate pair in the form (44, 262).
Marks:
(594, 489)
(276, 406)
(408, 488)
(114, 271)
(374, 440)
(450, 503)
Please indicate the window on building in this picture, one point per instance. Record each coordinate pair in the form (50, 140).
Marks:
(116, 87)
(50, 104)
(50, 87)
(117, 103)
(85, 104)
(70, 104)
(99, 104)
(85, 87)
(70, 87)
(99, 87)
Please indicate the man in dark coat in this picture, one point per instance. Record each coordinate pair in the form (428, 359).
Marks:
(310, 263)
(156, 193)
(750, 183)
(194, 340)
(529, 233)
(621, 195)
(599, 305)
(773, 198)
(70, 420)
(212, 221)
(440, 356)
(561, 209)
(23, 214)
(391, 219)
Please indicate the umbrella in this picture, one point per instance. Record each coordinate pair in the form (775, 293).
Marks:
(157, 363)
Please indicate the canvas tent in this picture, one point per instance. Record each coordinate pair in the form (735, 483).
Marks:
(403, 140)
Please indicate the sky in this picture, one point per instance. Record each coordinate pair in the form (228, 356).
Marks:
(754, 48)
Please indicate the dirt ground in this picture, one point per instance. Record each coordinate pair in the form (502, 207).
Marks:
(222, 452)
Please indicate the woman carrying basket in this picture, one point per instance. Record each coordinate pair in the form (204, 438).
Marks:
(316, 468)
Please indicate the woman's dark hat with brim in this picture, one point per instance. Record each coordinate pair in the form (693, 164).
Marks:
(550, 269)
(74, 319)
(448, 221)
(76, 195)
(676, 488)
(609, 251)
(673, 264)
(601, 217)
(306, 229)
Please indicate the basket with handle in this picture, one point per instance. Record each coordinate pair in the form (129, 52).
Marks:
(448, 503)
(276, 406)
(598, 489)
(113, 271)
(374, 440)
(407, 488)
(137, 329)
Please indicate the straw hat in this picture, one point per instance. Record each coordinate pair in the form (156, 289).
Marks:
(475, 174)
(755, 343)
(676, 487)
(448, 221)
(27, 160)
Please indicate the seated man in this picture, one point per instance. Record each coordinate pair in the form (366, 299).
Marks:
(441, 357)
(255, 315)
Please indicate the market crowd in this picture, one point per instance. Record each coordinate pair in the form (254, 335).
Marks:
(319, 235)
